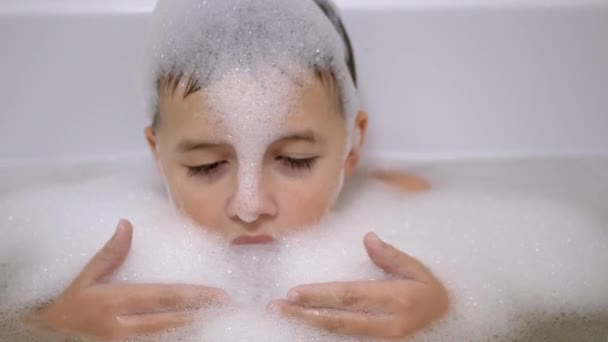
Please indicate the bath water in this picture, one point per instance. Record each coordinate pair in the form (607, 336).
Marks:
(521, 245)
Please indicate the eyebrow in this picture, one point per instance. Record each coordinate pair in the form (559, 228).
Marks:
(191, 145)
(306, 136)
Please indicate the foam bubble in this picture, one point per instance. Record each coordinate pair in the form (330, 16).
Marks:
(253, 109)
(213, 37)
(519, 266)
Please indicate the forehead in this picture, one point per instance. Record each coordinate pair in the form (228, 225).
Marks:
(275, 99)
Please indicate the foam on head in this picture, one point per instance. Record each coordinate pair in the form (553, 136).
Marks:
(251, 58)
(208, 38)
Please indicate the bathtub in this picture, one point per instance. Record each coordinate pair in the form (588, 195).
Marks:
(442, 80)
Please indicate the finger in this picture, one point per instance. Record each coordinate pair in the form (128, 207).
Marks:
(147, 299)
(337, 321)
(133, 325)
(393, 261)
(364, 296)
(109, 258)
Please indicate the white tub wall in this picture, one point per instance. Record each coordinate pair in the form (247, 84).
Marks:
(440, 79)
(477, 82)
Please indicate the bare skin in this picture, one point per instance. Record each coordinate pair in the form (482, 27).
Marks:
(388, 309)
(92, 307)
(403, 181)
(409, 302)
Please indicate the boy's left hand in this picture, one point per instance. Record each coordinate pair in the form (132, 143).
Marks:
(382, 309)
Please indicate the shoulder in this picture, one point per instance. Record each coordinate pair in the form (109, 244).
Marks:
(403, 181)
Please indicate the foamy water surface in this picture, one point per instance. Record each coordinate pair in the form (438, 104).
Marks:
(522, 246)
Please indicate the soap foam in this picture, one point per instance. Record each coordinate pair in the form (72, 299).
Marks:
(253, 108)
(518, 267)
(209, 38)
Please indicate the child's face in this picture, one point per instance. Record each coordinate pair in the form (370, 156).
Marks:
(299, 172)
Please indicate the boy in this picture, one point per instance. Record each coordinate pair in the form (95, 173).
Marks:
(256, 127)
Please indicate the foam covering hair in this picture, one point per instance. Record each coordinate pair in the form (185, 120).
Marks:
(208, 38)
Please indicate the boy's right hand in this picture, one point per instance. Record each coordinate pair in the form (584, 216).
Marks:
(91, 307)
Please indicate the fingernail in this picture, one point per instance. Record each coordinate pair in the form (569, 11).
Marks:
(293, 297)
(374, 238)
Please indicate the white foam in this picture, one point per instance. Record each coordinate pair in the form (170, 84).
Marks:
(253, 107)
(517, 266)
(208, 38)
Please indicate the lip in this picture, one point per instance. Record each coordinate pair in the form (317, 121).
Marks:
(253, 240)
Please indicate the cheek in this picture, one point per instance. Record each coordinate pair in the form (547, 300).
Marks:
(303, 204)
(203, 203)
(309, 199)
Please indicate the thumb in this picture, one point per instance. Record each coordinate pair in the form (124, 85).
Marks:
(109, 258)
(393, 261)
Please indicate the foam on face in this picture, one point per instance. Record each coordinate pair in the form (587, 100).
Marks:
(251, 58)
(252, 107)
(518, 266)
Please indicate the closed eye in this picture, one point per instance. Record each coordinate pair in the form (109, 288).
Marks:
(206, 169)
(298, 164)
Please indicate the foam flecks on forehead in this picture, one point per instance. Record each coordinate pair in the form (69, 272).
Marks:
(209, 38)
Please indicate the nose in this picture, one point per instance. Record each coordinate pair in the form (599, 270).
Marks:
(251, 201)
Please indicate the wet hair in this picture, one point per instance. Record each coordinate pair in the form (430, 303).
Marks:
(171, 81)
(333, 16)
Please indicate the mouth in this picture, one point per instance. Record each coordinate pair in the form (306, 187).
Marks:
(253, 240)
